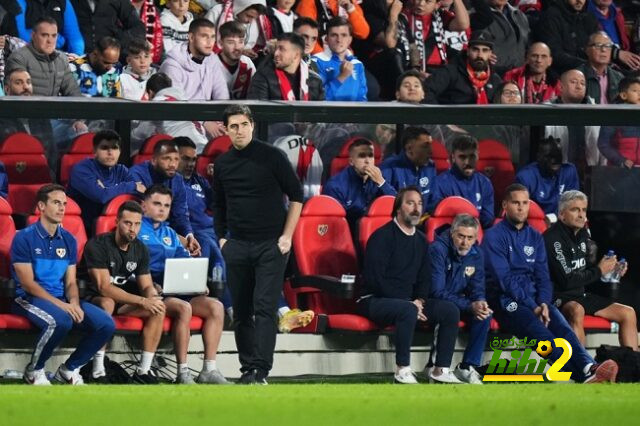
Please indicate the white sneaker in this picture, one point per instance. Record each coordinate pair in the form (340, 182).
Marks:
(468, 376)
(406, 376)
(36, 378)
(446, 377)
(68, 377)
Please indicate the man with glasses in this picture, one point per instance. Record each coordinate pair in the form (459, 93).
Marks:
(602, 79)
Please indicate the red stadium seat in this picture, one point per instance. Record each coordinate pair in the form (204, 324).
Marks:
(379, 214)
(341, 161)
(440, 156)
(211, 151)
(27, 169)
(72, 222)
(81, 148)
(146, 152)
(446, 211)
(107, 221)
(323, 246)
(495, 162)
(593, 324)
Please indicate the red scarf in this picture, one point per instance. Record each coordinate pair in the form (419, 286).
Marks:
(241, 80)
(264, 25)
(153, 29)
(304, 160)
(478, 83)
(285, 86)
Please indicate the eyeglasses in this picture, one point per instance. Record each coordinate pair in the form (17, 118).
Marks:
(511, 93)
(601, 46)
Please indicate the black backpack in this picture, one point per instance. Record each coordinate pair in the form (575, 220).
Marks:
(116, 374)
(628, 361)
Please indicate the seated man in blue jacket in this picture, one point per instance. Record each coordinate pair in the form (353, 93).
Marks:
(163, 169)
(96, 181)
(457, 275)
(359, 184)
(396, 291)
(520, 290)
(413, 166)
(547, 178)
(163, 243)
(463, 180)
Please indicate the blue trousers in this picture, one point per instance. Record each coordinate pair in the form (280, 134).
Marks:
(55, 324)
(211, 250)
(478, 331)
(523, 323)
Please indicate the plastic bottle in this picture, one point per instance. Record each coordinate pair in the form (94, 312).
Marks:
(216, 274)
(607, 277)
(617, 271)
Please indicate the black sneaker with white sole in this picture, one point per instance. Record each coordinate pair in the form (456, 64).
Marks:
(144, 379)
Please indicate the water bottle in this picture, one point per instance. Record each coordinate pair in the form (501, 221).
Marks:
(216, 274)
(617, 271)
(607, 277)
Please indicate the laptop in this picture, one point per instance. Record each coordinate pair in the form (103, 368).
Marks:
(185, 276)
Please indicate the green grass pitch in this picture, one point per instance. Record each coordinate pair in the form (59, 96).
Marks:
(321, 404)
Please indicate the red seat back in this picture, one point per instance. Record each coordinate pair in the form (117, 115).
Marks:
(107, 222)
(211, 151)
(72, 222)
(440, 156)
(27, 169)
(379, 214)
(81, 148)
(446, 211)
(146, 152)
(341, 161)
(7, 232)
(322, 245)
(494, 161)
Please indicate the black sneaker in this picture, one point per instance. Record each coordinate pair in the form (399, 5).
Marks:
(144, 379)
(261, 377)
(248, 377)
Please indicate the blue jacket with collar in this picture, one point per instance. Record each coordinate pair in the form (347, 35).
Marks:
(400, 172)
(546, 191)
(199, 199)
(354, 88)
(163, 243)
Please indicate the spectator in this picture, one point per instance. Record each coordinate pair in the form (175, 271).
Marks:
(457, 41)
(342, 74)
(611, 21)
(117, 266)
(397, 283)
(457, 276)
(43, 257)
(254, 177)
(150, 17)
(537, 81)
(69, 39)
(508, 28)
(621, 145)
(96, 181)
(163, 243)
(602, 79)
(162, 169)
(515, 138)
(135, 75)
(357, 186)
(175, 23)
(572, 272)
(467, 80)
(8, 45)
(463, 180)
(48, 67)
(507, 93)
(348, 9)
(548, 178)
(281, 17)
(113, 18)
(413, 166)
(307, 28)
(409, 88)
(252, 14)
(520, 290)
(286, 77)
(98, 74)
(194, 68)
(238, 69)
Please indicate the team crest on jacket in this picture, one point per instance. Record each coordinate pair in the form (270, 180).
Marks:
(424, 181)
(166, 240)
(131, 266)
(61, 252)
(511, 307)
(322, 229)
(469, 270)
(528, 250)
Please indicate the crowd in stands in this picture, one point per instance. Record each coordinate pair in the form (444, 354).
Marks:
(414, 52)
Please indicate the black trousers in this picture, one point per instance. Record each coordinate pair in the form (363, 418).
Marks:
(255, 273)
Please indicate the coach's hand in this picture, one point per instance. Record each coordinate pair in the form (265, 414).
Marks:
(155, 305)
(284, 244)
(193, 245)
(74, 309)
(542, 312)
(420, 305)
(480, 310)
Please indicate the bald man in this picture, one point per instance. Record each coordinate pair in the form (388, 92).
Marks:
(598, 71)
(536, 80)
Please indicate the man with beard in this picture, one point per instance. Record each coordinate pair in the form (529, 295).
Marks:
(397, 280)
(548, 178)
(467, 80)
(98, 73)
(536, 80)
(238, 69)
(463, 180)
(163, 169)
(286, 77)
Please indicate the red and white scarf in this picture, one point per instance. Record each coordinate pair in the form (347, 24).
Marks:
(153, 29)
(478, 81)
(422, 27)
(264, 26)
(285, 86)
